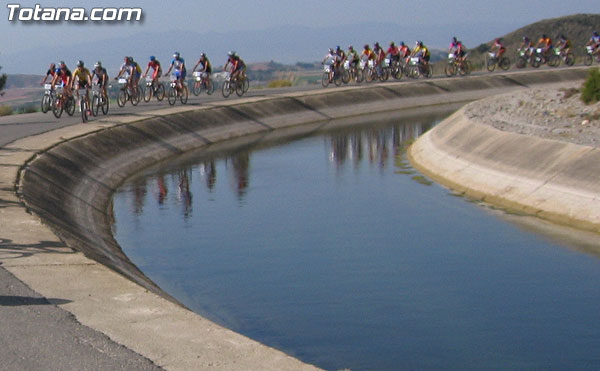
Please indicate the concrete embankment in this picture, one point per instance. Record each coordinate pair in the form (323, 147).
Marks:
(554, 180)
(68, 183)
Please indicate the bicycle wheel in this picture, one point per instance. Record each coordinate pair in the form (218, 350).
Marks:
(137, 95)
(122, 98)
(148, 93)
(360, 76)
(345, 76)
(226, 89)
(171, 95)
(197, 88)
(337, 78)
(95, 104)
(83, 108)
(490, 63)
(183, 94)
(554, 61)
(246, 84)
(239, 88)
(57, 107)
(70, 106)
(105, 104)
(210, 87)
(521, 62)
(569, 59)
(46, 103)
(160, 92)
(325, 79)
(385, 74)
(504, 63)
(587, 60)
(428, 72)
(450, 69)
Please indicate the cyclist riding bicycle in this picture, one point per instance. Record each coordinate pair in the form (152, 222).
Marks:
(156, 67)
(341, 54)
(545, 42)
(404, 50)
(353, 56)
(102, 77)
(51, 72)
(498, 48)
(131, 69)
(563, 44)
(206, 67)
(179, 70)
(594, 42)
(238, 67)
(394, 52)
(83, 77)
(331, 59)
(526, 46)
(64, 75)
(422, 52)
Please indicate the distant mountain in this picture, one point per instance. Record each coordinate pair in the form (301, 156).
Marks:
(288, 44)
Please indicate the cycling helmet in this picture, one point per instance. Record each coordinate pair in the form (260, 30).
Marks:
(595, 33)
(79, 63)
(98, 65)
(392, 44)
(402, 43)
(338, 48)
(129, 59)
(52, 66)
(152, 58)
(202, 55)
(231, 53)
(366, 46)
(419, 43)
(544, 36)
(176, 55)
(525, 38)
(376, 45)
(350, 47)
(62, 63)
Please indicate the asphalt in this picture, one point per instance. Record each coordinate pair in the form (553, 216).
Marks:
(69, 321)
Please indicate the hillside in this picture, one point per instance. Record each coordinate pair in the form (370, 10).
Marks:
(578, 28)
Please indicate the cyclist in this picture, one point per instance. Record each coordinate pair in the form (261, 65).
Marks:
(178, 65)
(102, 75)
(51, 72)
(238, 67)
(156, 67)
(404, 50)
(545, 42)
(563, 44)
(353, 57)
(331, 59)
(63, 74)
(453, 48)
(206, 68)
(84, 81)
(526, 46)
(133, 70)
(594, 42)
(394, 52)
(422, 52)
(341, 54)
(498, 48)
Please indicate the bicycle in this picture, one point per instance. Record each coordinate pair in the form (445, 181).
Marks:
(48, 98)
(491, 61)
(588, 58)
(202, 81)
(355, 71)
(125, 94)
(82, 103)
(456, 66)
(99, 101)
(239, 85)
(559, 56)
(175, 91)
(153, 88)
(62, 103)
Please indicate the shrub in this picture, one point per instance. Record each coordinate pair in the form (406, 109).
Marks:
(279, 84)
(591, 88)
(6, 110)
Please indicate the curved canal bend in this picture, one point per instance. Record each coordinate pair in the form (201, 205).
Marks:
(333, 249)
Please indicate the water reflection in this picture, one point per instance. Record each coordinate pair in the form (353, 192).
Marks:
(345, 147)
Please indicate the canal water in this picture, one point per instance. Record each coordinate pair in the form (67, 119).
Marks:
(327, 245)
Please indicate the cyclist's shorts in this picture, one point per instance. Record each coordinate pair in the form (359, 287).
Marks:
(82, 84)
(180, 74)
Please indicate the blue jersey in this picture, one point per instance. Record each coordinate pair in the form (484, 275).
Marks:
(178, 64)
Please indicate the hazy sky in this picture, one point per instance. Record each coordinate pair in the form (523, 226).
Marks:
(222, 16)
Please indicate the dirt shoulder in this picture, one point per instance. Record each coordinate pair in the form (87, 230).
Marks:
(553, 111)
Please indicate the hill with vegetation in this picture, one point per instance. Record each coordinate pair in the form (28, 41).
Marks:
(578, 28)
